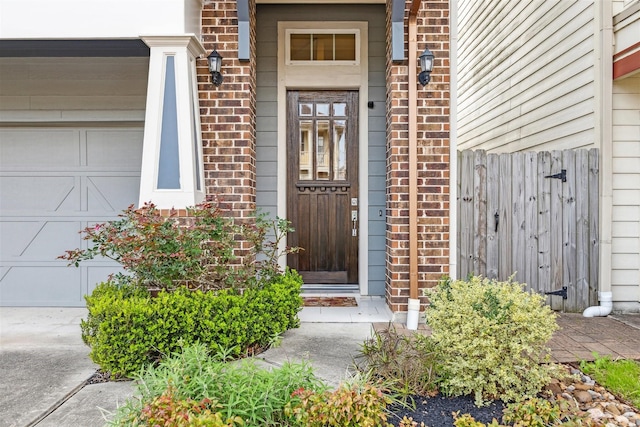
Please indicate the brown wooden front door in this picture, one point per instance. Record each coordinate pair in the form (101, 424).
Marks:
(322, 185)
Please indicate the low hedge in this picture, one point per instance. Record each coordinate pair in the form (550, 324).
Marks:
(127, 328)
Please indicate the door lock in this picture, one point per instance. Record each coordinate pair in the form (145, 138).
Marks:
(354, 221)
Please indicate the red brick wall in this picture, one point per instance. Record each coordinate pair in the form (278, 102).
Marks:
(228, 112)
(433, 159)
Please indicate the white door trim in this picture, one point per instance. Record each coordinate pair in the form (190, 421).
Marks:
(339, 76)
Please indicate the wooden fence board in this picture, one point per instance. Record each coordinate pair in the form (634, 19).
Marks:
(493, 221)
(480, 213)
(557, 303)
(594, 220)
(505, 268)
(459, 211)
(544, 223)
(582, 228)
(531, 219)
(514, 217)
(466, 215)
(517, 226)
(569, 231)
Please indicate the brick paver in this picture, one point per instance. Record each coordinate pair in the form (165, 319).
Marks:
(579, 337)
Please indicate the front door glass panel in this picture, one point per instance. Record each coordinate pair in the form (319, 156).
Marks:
(322, 145)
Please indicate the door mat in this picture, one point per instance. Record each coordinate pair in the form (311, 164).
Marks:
(330, 302)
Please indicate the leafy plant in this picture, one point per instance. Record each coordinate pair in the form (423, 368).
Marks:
(408, 422)
(350, 405)
(194, 377)
(466, 420)
(533, 412)
(406, 363)
(621, 377)
(126, 328)
(159, 251)
(167, 410)
(198, 251)
(490, 337)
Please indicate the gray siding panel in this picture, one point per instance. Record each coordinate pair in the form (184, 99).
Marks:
(267, 18)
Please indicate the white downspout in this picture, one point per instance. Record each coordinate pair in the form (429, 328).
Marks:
(453, 140)
(603, 47)
(605, 307)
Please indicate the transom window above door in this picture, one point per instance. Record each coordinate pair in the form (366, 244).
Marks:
(322, 46)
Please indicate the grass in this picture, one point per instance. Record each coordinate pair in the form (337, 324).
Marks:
(621, 377)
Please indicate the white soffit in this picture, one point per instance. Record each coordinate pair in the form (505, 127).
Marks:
(82, 19)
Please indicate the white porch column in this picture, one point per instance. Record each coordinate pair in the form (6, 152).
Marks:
(172, 171)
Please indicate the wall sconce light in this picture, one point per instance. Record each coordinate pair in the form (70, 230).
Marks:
(426, 66)
(215, 62)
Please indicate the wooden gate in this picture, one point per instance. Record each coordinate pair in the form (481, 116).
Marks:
(534, 216)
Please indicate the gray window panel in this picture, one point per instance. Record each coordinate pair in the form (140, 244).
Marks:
(169, 162)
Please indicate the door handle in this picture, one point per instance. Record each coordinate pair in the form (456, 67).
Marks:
(354, 221)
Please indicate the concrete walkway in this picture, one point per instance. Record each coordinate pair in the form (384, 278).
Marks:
(44, 364)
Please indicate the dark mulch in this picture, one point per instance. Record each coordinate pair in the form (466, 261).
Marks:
(438, 411)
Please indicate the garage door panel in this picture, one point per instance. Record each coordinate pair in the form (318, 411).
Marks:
(114, 149)
(112, 194)
(41, 286)
(39, 147)
(53, 183)
(96, 275)
(38, 240)
(44, 193)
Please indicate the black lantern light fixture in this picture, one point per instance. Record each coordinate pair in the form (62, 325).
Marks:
(426, 66)
(215, 62)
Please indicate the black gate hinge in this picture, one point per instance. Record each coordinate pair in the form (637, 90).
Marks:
(560, 292)
(561, 175)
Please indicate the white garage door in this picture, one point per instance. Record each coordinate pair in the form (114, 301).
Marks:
(53, 183)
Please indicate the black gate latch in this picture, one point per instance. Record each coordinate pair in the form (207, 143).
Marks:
(560, 292)
(561, 175)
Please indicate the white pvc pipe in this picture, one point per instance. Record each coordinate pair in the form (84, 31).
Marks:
(605, 307)
(413, 314)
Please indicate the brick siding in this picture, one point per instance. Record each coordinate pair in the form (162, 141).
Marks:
(228, 115)
(228, 112)
(433, 159)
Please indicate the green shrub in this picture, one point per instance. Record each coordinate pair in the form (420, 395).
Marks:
(195, 378)
(165, 252)
(534, 412)
(166, 410)
(537, 412)
(466, 420)
(350, 405)
(491, 339)
(406, 363)
(159, 251)
(126, 328)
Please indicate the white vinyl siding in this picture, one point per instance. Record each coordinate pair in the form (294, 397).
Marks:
(525, 75)
(625, 262)
(73, 89)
